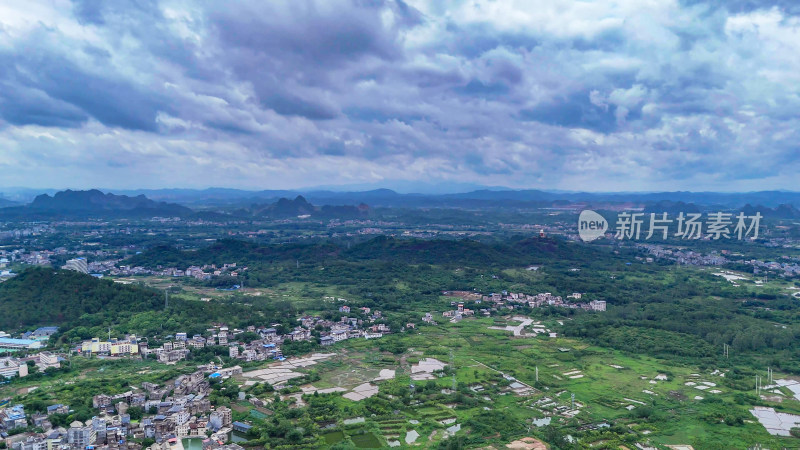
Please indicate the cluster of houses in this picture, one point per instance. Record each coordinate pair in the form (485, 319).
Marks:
(101, 432)
(508, 300)
(205, 272)
(347, 327)
(169, 352)
(683, 256)
(179, 409)
(687, 257)
(786, 269)
(548, 299)
(267, 347)
(460, 312)
(33, 257)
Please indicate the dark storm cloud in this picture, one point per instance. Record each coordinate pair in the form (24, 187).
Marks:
(25, 106)
(576, 110)
(44, 88)
(293, 105)
(305, 45)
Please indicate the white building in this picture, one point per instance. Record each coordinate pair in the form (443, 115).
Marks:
(12, 367)
(597, 305)
(78, 265)
(80, 436)
(47, 360)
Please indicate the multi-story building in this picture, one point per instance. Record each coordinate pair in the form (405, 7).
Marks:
(80, 435)
(33, 443)
(14, 417)
(47, 360)
(96, 346)
(172, 355)
(197, 341)
(12, 367)
(597, 305)
(221, 417)
(78, 265)
(124, 348)
(339, 335)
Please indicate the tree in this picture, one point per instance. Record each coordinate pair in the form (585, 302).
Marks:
(136, 412)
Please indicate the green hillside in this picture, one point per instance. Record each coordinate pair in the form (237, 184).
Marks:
(44, 296)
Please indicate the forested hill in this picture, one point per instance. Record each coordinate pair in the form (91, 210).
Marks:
(230, 251)
(465, 252)
(437, 252)
(44, 296)
(450, 253)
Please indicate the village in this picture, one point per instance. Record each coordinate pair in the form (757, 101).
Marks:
(182, 409)
(509, 301)
(177, 410)
(265, 346)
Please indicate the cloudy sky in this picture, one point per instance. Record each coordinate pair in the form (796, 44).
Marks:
(556, 94)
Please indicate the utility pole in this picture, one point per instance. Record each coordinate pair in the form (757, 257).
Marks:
(725, 350)
(166, 300)
(573, 402)
(537, 374)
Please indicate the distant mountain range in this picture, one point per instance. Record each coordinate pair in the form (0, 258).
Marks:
(471, 199)
(781, 211)
(94, 203)
(95, 200)
(214, 202)
(5, 203)
(80, 203)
